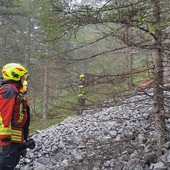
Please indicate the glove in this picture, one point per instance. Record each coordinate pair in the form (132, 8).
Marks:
(23, 152)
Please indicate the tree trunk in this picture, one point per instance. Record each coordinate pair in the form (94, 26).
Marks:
(160, 127)
(158, 99)
(129, 67)
(45, 105)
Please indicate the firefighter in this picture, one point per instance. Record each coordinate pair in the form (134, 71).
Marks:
(81, 93)
(14, 115)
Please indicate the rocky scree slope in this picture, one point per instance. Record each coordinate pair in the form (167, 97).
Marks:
(111, 138)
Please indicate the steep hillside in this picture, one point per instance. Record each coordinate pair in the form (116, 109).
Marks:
(111, 138)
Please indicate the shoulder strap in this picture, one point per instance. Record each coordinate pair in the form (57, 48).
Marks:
(9, 91)
(13, 87)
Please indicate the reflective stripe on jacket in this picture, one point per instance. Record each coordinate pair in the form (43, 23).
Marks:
(81, 87)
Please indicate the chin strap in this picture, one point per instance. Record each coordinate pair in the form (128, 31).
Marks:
(24, 86)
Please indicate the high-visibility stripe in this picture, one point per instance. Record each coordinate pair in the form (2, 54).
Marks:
(1, 122)
(16, 132)
(16, 138)
(5, 131)
(79, 95)
(16, 135)
(21, 114)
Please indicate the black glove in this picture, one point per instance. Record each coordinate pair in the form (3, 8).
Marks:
(30, 143)
(23, 152)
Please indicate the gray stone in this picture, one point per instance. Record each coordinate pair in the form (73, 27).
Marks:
(119, 137)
